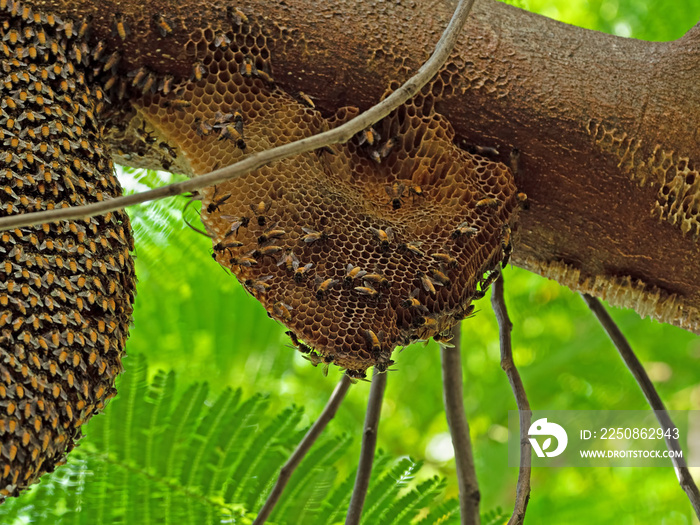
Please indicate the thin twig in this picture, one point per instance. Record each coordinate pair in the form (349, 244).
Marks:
(469, 495)
(369, 444)
(652, 396)
(522, 494)
(303, 448)
(338, 135)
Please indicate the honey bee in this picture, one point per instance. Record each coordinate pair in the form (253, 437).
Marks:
(270, 234)
(506, 245)
(523, 201)
(222, 40)
(465, 313)
(487, 202)
(229, 131)
(385, 237)
(412, 302)
(352, 273)
(315, 360)
(112, 61)
(67, 27)
(412, 247)
(144, 135)
(367, 291)
(307, 99)
(415, 191)
(149, 84)
(259, 210)
(121, 28)
(515, 161)
(243, 261)
(464, 230)
(225, 246)
(369, 136)
(428, 283)
(304, 349)
(375, 156)
(267, 251)
(288, 259)
(236, 16)
(260, 285)
(489, 280)
(395, 192)
(163, 24)
(98, 50)
(138, 76)
(214, 206)
(203, 127)
(283, 311)
(323, 287)
(450, 261)
(84, 28)
(178, 104)
(312, 236)
(172, 152)
(236, 223)
(300, 271)
(166, 84)
(385, 149)
(444, 339)
(374, 341)
(439, 277)
(198, 71)
(248, 68)
(377, 280)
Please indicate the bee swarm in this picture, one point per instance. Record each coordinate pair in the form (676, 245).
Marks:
(66, 288)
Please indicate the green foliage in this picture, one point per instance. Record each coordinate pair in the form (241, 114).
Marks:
(167, 453)
(163, 454)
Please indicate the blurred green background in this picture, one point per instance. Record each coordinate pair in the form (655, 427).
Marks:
(192, 317)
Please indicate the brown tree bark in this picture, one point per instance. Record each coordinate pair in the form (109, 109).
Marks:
(606, 126)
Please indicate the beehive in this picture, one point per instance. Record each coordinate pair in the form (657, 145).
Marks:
(66, 288)
(357, 248)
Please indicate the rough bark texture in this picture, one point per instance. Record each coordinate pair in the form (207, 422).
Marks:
(606, 126)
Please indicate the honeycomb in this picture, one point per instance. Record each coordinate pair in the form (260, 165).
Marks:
(357, 248)
(66, 288)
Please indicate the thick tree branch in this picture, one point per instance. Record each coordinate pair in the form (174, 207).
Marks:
(606, 125)
(453, 397)
(651, 395)
(516, 384)
(369, 445)
(303, 448)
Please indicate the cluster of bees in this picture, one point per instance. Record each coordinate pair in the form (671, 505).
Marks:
(66, 288)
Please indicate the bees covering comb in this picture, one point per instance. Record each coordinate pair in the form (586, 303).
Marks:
(66, 288)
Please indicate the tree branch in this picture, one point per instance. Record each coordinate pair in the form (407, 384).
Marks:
(508, 365)
(369, 444)
(469, 495)
(651, 395)
(256, 161)
(302, 449)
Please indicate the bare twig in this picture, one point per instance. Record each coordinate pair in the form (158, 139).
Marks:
(369, 444)
(469, 495)
(652, 396)
(303, 448)
(253, 162)
(522, 495)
